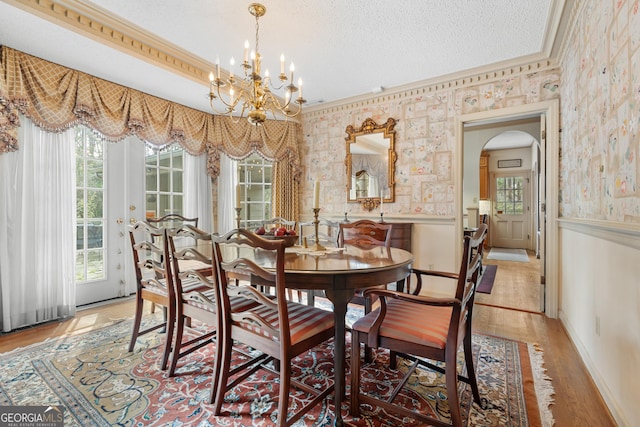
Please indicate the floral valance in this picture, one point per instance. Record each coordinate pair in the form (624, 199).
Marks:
(56, 98)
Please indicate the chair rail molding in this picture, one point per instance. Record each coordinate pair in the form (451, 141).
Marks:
(627, 234)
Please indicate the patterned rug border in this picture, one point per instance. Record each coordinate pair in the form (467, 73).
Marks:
(66, 335)
(538, 398)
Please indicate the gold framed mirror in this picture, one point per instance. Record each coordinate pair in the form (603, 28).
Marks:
(370, 162)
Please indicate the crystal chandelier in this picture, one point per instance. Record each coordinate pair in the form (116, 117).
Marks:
(252, 93)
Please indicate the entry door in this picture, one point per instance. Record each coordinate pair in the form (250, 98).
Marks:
(110, 195)
(511, 212)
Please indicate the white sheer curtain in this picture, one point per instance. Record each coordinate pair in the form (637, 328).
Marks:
(196, 201)
(37, 228)
(226, 194)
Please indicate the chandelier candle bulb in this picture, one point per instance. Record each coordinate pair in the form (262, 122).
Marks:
(291, 69)
(217, 68)
(316, 194)
(232, 62)
(282, 64)
(300, 87)
(246, 51)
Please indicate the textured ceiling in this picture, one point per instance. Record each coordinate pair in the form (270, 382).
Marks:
(341, 49)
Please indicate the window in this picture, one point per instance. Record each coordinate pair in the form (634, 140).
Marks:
(163, 189)
(510, 195)
(254, 177)
(90, 222)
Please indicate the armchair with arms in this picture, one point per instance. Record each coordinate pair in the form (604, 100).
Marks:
(420, 327)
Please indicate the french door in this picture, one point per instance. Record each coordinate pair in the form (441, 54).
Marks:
(110, 196)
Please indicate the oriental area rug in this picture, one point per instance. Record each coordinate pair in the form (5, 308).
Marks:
(99, 383)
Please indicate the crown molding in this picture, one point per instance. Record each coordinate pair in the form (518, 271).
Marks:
(94, 22)
(459, 80)
(576, 11)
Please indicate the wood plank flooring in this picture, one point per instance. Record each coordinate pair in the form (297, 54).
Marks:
(577, 401)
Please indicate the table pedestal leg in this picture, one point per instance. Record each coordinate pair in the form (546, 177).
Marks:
(340, 299)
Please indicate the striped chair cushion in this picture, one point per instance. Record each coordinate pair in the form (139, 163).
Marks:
(423, 324)
(304, 321)
(192, 264)
(151, 286)
(238, 304)
(191, 284)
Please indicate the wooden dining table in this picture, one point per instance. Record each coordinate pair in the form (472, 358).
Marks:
(339, 272)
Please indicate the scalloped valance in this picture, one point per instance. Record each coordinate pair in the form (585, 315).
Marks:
(56, 98)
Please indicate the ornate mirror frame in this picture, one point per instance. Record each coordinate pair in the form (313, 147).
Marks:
(369, 126)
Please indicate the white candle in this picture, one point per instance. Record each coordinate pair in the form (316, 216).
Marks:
(237, 195)
(246, 51)
(300, 87)
(282, 63)
(381, 201)
(316, 195)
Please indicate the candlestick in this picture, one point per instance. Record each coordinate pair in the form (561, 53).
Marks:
(316, 195)
(238, 209)
(317, 246)
(238, 196)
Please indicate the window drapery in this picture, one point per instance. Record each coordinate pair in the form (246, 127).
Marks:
(196, 201)
(37, 240)
(375, 166)
(57, 98)
(226, 195)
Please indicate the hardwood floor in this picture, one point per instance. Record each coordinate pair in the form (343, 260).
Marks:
(577, 401)
(512, 310)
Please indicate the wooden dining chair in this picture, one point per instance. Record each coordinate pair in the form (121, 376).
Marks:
(365, 232)
(151, 283)
(277, 328)
(194, 291)
(172, 221)
(423, 330)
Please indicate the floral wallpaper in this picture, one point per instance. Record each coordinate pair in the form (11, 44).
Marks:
(600, 141)
(425, 138)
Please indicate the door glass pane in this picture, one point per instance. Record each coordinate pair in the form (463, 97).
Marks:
(164, 176)
(90, 234)
(510, 195)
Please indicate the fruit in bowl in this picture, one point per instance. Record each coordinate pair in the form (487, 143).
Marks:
(290, 237)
